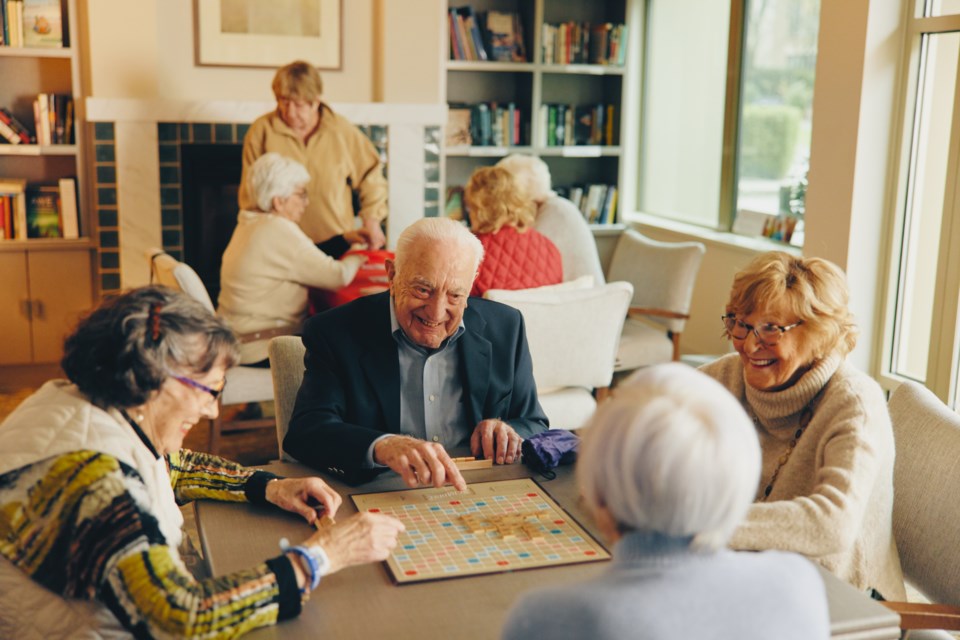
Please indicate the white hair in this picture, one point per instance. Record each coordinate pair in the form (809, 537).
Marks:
(531, 174)
(441, 231)
(275, 176)
(672, 452)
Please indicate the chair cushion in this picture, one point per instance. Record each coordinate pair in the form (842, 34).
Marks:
(568, 408)
(572, 335)
(247, 384)
(642, 345)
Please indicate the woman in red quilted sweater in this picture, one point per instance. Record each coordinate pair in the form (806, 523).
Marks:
(515, 256)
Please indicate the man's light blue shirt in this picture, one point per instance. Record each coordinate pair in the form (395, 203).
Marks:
(431, 392)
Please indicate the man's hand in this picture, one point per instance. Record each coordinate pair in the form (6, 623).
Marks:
(418, 462)
(496, 440)
(377, 239)
(296, 495)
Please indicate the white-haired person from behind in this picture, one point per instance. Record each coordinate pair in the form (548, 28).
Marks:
(669, 467)
(557, 218)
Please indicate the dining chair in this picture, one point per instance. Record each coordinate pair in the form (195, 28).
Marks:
(244, 385)
(287, 367)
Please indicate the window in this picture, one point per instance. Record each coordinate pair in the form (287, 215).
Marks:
(738, 77)
(921, 330)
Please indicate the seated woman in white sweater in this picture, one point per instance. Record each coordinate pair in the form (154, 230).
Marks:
(668, 468)
(270, 262)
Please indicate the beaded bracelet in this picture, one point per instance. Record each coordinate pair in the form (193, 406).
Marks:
(312, 563)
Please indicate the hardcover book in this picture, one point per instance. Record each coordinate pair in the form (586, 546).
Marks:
(457, 131)
(42, 23)
(43, 212)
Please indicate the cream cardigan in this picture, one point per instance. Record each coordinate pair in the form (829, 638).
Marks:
(266, 270)
(833, 499)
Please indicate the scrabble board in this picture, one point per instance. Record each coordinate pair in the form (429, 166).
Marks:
(492, 527)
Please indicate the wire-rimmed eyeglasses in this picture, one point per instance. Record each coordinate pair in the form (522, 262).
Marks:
(190, 382)
(767, 332)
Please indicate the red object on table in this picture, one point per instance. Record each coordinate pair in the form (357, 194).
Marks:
(371, 278)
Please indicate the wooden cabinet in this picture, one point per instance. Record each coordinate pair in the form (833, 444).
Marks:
(533, 86)
(46, 283)
(45, 291)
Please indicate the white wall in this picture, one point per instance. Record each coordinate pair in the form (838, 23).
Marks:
(145, 49)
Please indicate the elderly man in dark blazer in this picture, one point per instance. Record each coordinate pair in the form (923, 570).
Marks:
(394, 380)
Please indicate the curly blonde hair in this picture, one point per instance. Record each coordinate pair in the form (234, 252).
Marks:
(813, 289)
(494, 201)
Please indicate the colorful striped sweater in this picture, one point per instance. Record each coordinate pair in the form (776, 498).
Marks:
(75, 524)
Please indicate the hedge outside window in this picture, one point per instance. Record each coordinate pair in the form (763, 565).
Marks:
(702, 97)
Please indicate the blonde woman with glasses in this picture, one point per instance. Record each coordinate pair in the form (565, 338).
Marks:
(826, 484)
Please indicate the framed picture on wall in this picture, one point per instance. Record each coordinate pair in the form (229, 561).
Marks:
(258, 33)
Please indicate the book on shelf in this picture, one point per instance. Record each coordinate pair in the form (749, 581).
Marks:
(453, 204)
(42, 23)
(584, 43)
(457, 130)
(69, 218)
(13, 194)
(466, 42)
(13, 23)
(43, 211)
(12, 131)
(53, 116)
(504, 36)
(566, 125)
(596, 202)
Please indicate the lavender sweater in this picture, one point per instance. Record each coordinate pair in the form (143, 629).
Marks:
(657, 588)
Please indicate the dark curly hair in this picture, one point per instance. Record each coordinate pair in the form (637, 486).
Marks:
(123, 350)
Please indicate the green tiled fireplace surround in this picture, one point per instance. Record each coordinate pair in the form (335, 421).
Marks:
(171, 135)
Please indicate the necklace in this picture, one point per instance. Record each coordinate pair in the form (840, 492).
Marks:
(806, 415)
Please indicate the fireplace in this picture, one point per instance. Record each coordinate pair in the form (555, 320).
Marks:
(211, 179)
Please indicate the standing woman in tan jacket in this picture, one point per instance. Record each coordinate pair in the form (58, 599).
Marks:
(341, 160)
(826, 485)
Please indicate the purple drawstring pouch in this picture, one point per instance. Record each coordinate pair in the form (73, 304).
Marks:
(546, 450)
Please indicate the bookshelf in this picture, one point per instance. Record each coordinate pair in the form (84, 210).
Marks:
(534, 85)
(48, 282)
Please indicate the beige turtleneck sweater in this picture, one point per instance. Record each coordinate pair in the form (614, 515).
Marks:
(833, 499)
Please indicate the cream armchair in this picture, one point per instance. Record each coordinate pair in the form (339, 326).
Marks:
(926, 510)
(573, 336)
(663, 275)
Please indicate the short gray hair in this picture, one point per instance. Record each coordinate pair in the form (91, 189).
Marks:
(672, 452)
(275, 176)
(440, 231)
(531, 174)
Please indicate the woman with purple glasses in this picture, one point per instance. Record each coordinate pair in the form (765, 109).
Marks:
(826, 485)
(92, 471)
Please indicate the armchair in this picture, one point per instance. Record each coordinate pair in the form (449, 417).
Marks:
(925, 509)
(662, 275)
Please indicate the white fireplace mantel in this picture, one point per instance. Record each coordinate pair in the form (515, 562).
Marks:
(223, 111)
